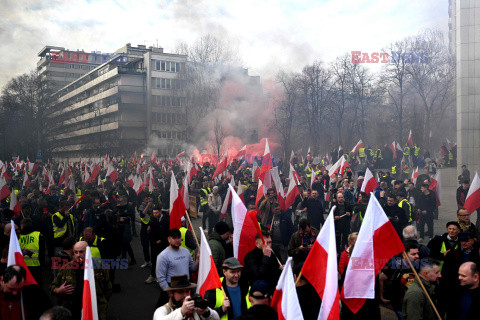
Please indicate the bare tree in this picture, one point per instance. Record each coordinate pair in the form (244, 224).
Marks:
(218, 141)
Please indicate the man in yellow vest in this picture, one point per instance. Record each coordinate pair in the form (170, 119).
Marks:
(188, 240)
(440, 245)
(236, 302)
(362, 155)
(145, 214)
(405, 205)
(63, 225)
(32, 245)
(204, 192)
(95, 242)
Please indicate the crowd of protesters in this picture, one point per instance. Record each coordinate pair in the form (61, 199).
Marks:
(61, 211)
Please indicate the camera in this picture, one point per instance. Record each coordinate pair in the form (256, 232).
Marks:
(199, 302)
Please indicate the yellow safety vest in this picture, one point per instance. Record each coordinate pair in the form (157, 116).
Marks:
(94, 247)
(183, 232)
(378, 153)
(450, 156)
(203, 196)
(406, 151)
(219, 300)
(309, 170)
(146, 219)
(417, 150)
(372, 154)
(394, 169)
(443, 249)
(59, 232)
(361, 153)
(79, 193)
(31, 242)
(400, 204)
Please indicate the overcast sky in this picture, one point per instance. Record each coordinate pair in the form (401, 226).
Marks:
(270, 34)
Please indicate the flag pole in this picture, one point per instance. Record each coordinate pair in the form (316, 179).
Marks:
(201, 230)
(298, 278)
(421, 284)
(193, 230)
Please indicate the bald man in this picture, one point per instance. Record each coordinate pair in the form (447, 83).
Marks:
(68, 285)
(95, 242)
(466, 304)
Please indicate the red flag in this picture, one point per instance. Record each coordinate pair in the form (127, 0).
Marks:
(377, 243)
(89, 297)
(436, 187)
(410, 139)
(222, 166)
(244, 229)
(227, 201)
(94, 174)
(414, 175)
(369, 183)
(358, 146)
(14, 204)
(320, 269)
(112, 173)
(292, 194)
(4, 190)
(32, 167)
(255, 171)
(207, 272)
(285, 299)
(260, 192)
(62, 177)
(266, 162)
(472, 202)
(241, 153)
(26, 180)
(15, 255)
(393, 147)
(177, 207)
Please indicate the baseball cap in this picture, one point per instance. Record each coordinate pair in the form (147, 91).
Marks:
(231, 263)
(260, 289)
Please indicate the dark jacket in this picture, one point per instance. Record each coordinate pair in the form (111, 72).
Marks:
(286, 227)
(470, 314)
(315, 211)
(461, 196)
(217, 246)
(416, 304)
(294, 245)
(435, 246)
(259, 311)
(211, 297)
(453, 260)
(261, 267)
(395, 212)
(427, 202)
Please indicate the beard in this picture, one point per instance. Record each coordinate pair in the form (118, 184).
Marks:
(177, 304)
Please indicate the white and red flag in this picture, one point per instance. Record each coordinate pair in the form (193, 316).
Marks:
(15, 255)
(185, 195)
(240, 191)
(292, 155)
(292, 194)
(207, 272)
(14, 204)
(377, 243)
(472, 202)
(415, 175)
(261, 191)
(410, 139)
(279, 188)
(112, 173)
(436, 187)
(450, 144)
(358, 146)
(227, 201)
(61, 180)
(320, 269)
(177, 206)
(285, 300)
(4, 189)
(244, 229)
(222, 167)
(293, 175)
(32, 167)
(26, 180)
(266, 162)
(242, 152)
(89, 298)
(369, 182)
(339, 167)
(393, 147)
(255, 171)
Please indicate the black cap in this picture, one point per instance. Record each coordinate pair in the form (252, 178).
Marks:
(401, 194)
(465, 236)
(455, 223)
(174, 233)
(231, 263)
(222, 227)
(260, 289)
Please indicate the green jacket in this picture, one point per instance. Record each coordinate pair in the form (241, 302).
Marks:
(103, 287)
(216, 244)
(416, 305)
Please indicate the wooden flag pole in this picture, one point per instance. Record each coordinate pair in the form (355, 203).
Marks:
(193, 230)
(298, 278)
(421, 284)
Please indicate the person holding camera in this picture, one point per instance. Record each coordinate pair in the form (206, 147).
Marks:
(182, 304)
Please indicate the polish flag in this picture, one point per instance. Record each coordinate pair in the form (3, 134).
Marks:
(15, 255)
(255, 171)
(450, 144)
(138, 185)
(61, 180)
(181, 154)
(207, 273)
(240, 191)
(130, 180)
(89, 298)
(285, 300)
(185, 195)
(312, 179)
(292, 194)
(292, 155)
(377, 243)
(14, 204)
(261, 191)
(436, 187)
(153, 158)
(393, 147)
(112, 173)
(358, 146)
(244, 229)
(279, 187)
(227, 201)
(266, 162)
(320, 269)
(222, 167)
(415, 175)
(399, 147)
(32, 167)
(177, 206)
(4, 190)
(26, 180)
(241, 153)
(410, 139)
(293, 175)
(473, 197)
(339, 167)
(369, 183)
(94, 174)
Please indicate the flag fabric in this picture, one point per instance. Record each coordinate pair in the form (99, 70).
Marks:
(4, 190)
(112, 173)
(472, 202)
(89, 298)
(226, 201)
(266, 162)
(177, 207)
(393, 147)
(255, 171)
(244, 229)
(369, 183)
(260, 192)
(14, 204)
(410, 139)
(293, 175)
(221, 168)
(436, 187)
(292, 194)
(292, 155)
(26, 180)
(32, 167)
(320, 269)
(377, 243)
(358, 146)
(15, 255)
(185, 195)
(61, 180)
(450, 144)
(339, 167)
(285, 300)
(207, 272)
(415, 175)
(241, 153)
(279, 187)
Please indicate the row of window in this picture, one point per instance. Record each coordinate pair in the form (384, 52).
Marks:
(168, 118)
(80, 66)
(168, 101)
(171, 135)
(170, 66)
(162, 83)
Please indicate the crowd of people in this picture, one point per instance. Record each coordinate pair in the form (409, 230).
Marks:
(61, 212)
